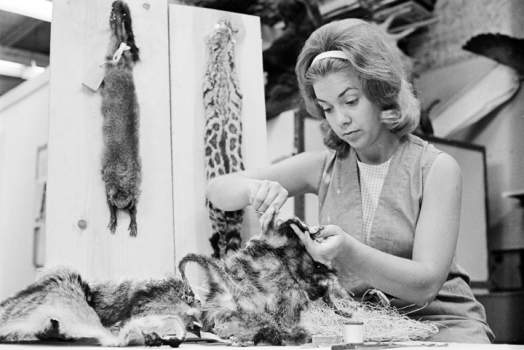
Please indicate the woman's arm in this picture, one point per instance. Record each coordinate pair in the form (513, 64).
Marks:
(268, 186)
(417, 280)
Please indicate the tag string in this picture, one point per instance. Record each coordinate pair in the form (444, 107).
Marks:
(118, 53)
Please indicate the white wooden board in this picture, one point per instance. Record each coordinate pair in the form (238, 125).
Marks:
(188, 29)
(79, 40)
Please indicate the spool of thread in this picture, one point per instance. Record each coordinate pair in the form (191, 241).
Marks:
(353, 332)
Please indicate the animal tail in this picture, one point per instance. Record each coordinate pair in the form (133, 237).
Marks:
(122, 28)
(216, 278)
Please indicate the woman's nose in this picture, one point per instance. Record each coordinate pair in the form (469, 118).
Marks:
(343, 118)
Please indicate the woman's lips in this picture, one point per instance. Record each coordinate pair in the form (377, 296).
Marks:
(350, 133)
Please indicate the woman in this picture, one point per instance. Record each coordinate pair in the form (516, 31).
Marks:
(389, 201)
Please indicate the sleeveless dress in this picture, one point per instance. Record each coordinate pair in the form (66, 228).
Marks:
(460, 317)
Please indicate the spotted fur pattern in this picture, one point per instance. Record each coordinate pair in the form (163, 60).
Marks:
(62, 306)
(257, 294)
(121, 168)
(223, 132)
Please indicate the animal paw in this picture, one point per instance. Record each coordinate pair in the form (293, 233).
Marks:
(152, 339)
(112, 226)
(133, 229)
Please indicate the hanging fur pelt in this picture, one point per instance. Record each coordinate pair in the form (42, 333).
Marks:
(223, 132)
(121, 169)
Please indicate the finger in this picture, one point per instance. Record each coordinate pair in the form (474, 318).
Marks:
(272, 194)
(266, 218)
(280, 200)
(260, 195)
(326, 232)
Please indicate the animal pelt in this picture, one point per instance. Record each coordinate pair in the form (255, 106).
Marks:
(121, 168)
(257, 294)
(61, 306)
(223, 132)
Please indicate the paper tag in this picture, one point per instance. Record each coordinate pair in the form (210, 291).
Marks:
(94, 76)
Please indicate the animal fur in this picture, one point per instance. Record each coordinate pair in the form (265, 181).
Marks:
(121, 168)
(258, 293)
(255, 295)
(62, 306)
(223, 132)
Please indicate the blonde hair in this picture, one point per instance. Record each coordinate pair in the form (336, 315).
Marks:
(377, 64)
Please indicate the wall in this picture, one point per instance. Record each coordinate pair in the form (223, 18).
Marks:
(23, 129)
(501, 133)
(444, 68)
(459, 20)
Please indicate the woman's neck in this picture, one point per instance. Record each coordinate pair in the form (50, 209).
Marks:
(381, 150)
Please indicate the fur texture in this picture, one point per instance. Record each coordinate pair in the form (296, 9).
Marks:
(255, 295)
(223, 132)
(121, 168)
(62, 306)
(258, 293)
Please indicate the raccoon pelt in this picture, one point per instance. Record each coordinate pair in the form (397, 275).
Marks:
(121, 168)
(257, 294)
(61, 306)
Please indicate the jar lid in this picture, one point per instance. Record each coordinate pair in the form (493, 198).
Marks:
(353, 322)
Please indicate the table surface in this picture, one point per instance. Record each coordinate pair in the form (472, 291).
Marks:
(404, 345)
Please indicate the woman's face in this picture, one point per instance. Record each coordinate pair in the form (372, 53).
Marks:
(351, 115)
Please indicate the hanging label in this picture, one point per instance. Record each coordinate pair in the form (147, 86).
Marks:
(95, 74)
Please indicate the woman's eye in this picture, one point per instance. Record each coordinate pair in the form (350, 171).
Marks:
(352, 102)
(326, 110)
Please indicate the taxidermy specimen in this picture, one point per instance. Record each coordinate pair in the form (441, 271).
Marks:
(223, 132)
(256, 295)
(61, 306)
(121, 169)
(270, 292)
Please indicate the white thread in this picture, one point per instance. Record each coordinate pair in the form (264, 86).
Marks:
(118, 53)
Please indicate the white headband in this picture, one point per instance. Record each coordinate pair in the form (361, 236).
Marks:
(330, 54)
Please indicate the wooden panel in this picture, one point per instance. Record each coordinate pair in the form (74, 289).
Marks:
(23, 132)
(188, 29)
(80, 37)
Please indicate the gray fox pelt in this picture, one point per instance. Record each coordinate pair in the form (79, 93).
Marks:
(121, 169)
(257, 294)
(62, 307)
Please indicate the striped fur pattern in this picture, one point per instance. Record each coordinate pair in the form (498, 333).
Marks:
(223, 132)
(121, 168)
(61, 306)
(257, 294)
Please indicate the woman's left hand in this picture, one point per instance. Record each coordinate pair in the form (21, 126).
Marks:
(329, 242)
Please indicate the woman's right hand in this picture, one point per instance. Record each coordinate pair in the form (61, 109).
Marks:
(267, 197)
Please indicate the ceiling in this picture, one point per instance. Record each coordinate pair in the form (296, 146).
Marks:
(23, 40)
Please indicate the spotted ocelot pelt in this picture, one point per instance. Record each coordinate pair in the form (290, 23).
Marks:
(223, 132)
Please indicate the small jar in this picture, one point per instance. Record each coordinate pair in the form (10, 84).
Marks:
(353, 332)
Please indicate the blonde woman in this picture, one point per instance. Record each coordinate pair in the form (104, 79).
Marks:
(389, 201)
